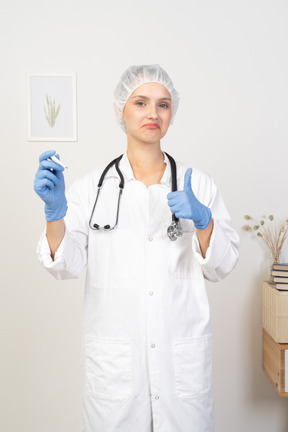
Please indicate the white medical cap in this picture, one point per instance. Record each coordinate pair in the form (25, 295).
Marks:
(133, 78)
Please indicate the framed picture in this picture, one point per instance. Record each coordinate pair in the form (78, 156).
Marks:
(51, 107)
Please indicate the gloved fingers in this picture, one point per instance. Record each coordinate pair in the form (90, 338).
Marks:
(44, 159)
(173, 202)
(42, 174)
(180, 215)
(43, 184)
(58, 172)
(172, 196)
(187, 180)
(46, 155)
(175, 208)
(178, 200)
(50, 165)
(57, 156)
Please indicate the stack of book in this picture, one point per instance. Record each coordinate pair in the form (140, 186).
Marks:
(280, 276)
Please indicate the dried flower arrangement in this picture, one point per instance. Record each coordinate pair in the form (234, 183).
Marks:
(266, 229)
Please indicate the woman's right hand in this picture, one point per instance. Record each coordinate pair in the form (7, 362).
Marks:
(49, 184)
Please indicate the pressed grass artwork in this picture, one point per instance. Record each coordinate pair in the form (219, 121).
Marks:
(52, 112)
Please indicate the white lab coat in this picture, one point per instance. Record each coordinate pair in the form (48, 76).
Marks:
(147, 347)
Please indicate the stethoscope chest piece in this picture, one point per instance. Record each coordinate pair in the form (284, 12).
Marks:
(174, 230)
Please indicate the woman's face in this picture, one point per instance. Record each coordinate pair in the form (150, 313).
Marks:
(147, 113)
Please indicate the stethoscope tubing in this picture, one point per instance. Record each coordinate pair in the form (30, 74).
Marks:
(100, 183)
(175, 220)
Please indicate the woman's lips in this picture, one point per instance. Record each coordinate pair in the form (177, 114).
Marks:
(151, 126)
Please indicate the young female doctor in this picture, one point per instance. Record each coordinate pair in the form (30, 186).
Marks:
(147, 354)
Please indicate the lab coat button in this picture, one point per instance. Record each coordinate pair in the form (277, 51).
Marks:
(150, 238)
(156, 397)
(153, 346)
(151, 293)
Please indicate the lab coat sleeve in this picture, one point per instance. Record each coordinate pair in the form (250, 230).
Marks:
(71, 256)
(222, 253)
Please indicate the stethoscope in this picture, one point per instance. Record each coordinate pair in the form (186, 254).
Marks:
(173, 231)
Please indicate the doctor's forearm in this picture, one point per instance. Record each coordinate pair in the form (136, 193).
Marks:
(55, 231)
(204, 238)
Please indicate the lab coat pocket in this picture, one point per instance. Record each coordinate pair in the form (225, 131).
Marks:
(185, 263)
(193, 366)
(108, 368)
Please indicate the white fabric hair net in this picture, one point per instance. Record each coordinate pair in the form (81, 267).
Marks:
(133, 78)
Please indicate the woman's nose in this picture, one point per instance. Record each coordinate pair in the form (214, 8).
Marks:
(152, 113)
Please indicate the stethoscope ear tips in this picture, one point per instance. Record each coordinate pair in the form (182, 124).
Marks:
(97, 227)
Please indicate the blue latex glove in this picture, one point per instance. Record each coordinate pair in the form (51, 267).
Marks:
(185, 205)
(50, 186)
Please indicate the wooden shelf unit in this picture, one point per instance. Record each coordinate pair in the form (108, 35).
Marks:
(275, 312)
(274, 357)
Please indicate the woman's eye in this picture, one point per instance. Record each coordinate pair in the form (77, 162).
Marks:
(164, 105)
(139, 103)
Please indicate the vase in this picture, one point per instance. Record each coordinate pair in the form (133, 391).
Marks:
(276, 255)
(276, 260)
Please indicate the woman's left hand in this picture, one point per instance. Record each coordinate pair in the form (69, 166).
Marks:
(185, 205)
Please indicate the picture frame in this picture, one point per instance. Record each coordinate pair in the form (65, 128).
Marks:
(51, 107)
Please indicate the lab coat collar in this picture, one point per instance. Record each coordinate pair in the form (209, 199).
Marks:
(129, 175)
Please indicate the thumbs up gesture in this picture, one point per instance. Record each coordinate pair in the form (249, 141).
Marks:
(185, 205)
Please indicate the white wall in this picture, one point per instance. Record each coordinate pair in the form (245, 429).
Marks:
(228, 60)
